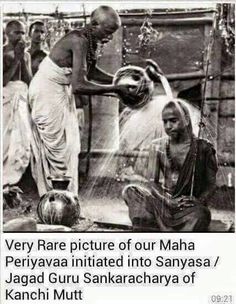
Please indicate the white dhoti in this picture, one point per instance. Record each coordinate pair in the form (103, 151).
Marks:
(16, 131)
(56, 139)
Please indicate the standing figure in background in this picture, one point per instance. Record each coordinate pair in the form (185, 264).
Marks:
(172, 205)
(70, 64)
(16, 62)
(37, 32)
(16, 125)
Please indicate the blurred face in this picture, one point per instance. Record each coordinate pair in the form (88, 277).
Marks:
(174, 123)
(38, 33)
(104, 31)
(15, 34)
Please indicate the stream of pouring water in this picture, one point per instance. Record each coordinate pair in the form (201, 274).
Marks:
(138, 128)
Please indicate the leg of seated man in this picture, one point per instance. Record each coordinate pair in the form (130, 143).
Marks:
(198, 219)
(170, 217)
(136, 197)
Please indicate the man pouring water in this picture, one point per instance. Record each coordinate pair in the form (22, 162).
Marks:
(70, 64)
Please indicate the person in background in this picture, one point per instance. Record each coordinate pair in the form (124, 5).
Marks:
(37, 32)
(16, 61)
(16, 124)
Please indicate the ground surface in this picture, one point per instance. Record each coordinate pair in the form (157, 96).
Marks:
(102, 208)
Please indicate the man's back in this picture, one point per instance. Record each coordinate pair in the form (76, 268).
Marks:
(62, 52)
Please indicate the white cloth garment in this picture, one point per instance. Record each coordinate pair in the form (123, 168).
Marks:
(16, 131)
(56, 138)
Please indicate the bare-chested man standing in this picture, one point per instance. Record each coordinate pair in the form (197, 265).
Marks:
(37, 33)
(72, 61)
(16, 127)
(15, 60)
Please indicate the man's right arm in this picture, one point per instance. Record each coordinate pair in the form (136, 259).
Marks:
(26, 68)
(10, 66)
(80, 83)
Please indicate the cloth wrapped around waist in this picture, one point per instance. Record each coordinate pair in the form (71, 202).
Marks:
(56, 139)
(16, 131)
(53, 72)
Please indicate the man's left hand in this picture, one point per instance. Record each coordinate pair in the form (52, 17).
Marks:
(187, 201)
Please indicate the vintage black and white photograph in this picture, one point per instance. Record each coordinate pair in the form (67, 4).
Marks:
(118, 116)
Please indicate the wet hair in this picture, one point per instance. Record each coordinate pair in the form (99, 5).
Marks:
(182, 109)
(100, 15)
(12, 23)
(37, 22)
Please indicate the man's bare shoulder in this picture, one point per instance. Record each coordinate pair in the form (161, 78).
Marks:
(8, 55)
(7, 50)
(75, 37)
(78, 39)
(74, 41)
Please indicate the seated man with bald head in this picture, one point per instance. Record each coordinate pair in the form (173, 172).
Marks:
(69, 68)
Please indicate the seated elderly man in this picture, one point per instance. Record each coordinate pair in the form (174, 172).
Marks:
(71, 63)
(179, 203)
(16, 125)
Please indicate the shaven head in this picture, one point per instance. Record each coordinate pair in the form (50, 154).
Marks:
(105, 14)
(179, 107)
(13, 24)
(15, 31)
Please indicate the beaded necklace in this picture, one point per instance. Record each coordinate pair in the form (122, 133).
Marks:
(92, 42)
(173, 164)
